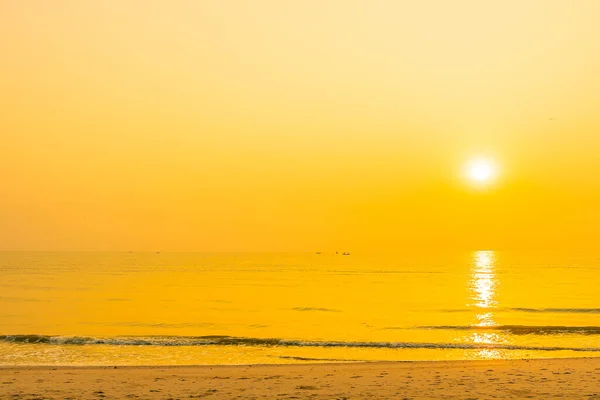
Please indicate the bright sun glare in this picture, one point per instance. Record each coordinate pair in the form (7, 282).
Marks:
(481, 170)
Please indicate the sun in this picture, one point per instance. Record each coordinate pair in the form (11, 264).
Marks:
(481, 170)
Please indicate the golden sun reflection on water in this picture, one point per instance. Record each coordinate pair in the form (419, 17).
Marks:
(483, 280)
(482, 288)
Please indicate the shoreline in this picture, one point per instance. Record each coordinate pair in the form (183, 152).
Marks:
(527, 378)
(352, 362)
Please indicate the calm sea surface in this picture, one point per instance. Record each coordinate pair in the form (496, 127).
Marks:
(168, 308)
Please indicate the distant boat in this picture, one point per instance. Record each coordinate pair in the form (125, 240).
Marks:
(318, 252)
(346, 254)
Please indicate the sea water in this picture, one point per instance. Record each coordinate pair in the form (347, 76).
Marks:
(176, 308)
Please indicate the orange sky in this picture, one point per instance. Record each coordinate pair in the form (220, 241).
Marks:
(298, 125)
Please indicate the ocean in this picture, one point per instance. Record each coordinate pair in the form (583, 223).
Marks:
(193, 308)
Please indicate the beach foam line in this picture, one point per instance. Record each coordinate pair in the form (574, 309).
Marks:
(264, 342)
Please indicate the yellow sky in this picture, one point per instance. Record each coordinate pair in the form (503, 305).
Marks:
(277, 125)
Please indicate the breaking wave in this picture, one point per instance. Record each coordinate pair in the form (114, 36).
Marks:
(266, 342)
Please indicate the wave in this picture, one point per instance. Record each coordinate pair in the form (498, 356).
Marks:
(318, 359)
(315, 309)
(532, 310)
(557, 310)
(265, 342)
(523, 329)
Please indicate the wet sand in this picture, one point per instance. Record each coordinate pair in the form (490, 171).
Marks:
(522, 379)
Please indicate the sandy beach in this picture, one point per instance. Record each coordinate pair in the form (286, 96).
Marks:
(540, 379)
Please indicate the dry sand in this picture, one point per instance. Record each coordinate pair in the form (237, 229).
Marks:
(540, 379)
